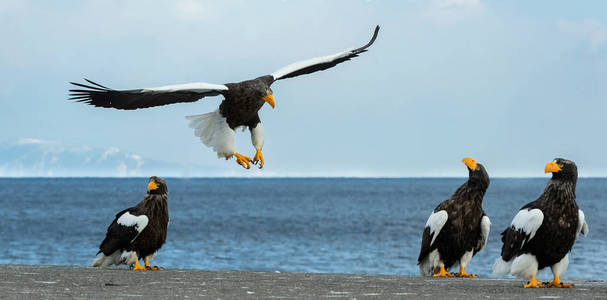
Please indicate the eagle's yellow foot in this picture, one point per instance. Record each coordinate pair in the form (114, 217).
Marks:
(258, 158)
(442, 273)
(154, 268)
(242, 160)
(534, 284)
(138, 267)
(556, 282)
(462, 273)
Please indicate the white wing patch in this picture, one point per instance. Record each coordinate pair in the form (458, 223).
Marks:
(529, 220)
(128, 220)
(582, 226)
(436, 221)
(193, 87)
(309, 62)
(485, 228)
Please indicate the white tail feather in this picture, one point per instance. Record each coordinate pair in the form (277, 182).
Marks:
(431, 263)
(98, 260)
(116, 258)
(214, 132)
(501, 267)
(103, 261)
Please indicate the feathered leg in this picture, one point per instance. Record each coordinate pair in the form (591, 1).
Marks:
(463, 263)
(257, 140)
(557, 270)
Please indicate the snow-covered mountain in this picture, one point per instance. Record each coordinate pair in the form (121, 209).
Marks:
(37, 158)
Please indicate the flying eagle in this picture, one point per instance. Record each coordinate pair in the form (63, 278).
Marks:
(543, 231)
(137, 232)
(457, 228)
(239, 108)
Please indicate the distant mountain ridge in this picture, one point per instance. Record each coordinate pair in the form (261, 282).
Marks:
(37, 158)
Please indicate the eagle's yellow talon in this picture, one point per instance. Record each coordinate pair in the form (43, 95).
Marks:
(462, 273)
(556, 282)
(534, 284)
(242, 160)
(138, 267)
(152, 268)
(258, 158)
(442, 273)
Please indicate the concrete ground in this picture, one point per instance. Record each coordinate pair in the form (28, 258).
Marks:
(34, 282)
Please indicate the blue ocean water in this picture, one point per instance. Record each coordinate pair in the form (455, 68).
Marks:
(335, 225)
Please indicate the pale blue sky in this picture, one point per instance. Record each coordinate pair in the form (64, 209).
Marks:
(510, 83)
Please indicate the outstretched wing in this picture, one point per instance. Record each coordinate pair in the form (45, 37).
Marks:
(125, 228)
(101, 96)
(321, 63)
(523, 228)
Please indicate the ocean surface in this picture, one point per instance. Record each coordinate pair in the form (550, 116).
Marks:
(370, 226)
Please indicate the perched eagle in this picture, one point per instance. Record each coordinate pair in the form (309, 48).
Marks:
(137, 232)
(239, 108)
(543, 231)
(457, 228)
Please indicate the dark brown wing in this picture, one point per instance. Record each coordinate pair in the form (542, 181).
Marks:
(321, 63)
(121, 236)
(101, 96)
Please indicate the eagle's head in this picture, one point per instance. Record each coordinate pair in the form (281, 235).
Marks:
(261, 89)
(156, 185)
(562, 169)
(476, 172)
(266, 95)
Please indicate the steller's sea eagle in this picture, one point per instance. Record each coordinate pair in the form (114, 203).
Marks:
(239, 108)
(137, 232)
(543, 231)
(457, 228)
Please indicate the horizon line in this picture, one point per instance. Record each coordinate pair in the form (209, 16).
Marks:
(285, 177)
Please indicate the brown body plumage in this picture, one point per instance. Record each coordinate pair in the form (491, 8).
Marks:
(543, 231)
(137, 232)
(458, 227)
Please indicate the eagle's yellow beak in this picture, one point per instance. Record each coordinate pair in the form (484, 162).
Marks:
(152, 185)
(552, 167)
(269, 99)
(470, 163)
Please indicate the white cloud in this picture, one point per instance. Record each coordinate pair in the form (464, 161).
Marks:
(449, 12)
(30, 141)
(110, 151)
(592, 30)
(138, 159)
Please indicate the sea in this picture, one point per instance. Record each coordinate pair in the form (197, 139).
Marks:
(319, 225)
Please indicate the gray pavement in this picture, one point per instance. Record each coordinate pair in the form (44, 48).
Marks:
(34, 282)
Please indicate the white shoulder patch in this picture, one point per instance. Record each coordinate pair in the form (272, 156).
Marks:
(582, 226)
(192, 87)
(128, 220)
(436, 221)
(529, 220)
(485, 228)
(309, 62)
